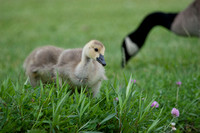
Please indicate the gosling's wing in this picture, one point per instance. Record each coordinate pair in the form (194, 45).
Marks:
(70, 57)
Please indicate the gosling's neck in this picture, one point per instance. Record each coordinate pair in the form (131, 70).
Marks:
(83, 68)
(84, 59)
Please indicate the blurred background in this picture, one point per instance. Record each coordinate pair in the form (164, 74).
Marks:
(25, 25)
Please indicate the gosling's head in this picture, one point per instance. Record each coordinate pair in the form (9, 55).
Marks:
(95, 50)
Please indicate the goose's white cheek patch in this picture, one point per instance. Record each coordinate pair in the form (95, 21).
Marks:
(132, 47)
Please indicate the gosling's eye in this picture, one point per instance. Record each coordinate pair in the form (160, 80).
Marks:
(96, 49)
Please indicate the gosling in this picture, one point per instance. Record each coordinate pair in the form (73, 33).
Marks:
(39, 65)
(83, 67)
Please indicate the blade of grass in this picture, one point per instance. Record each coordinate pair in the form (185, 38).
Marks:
(107, 118)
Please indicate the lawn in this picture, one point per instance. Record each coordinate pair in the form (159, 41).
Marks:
(122, 106)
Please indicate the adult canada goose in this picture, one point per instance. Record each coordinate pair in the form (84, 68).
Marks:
(83, 67)
(39, 65)
(185, 23)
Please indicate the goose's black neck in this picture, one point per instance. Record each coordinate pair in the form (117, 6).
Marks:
(150, 21)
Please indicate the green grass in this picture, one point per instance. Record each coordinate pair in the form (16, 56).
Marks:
(164, 60)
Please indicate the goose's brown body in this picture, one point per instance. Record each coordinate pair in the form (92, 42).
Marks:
(187, 22)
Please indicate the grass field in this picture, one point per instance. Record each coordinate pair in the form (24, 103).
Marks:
(164, 60)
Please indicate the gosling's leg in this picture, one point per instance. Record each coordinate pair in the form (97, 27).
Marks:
(60, 81)
(96, 88)
(33, 76)
(33, 81)
(56, 76)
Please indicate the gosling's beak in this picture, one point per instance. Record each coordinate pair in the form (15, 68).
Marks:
(101, 60)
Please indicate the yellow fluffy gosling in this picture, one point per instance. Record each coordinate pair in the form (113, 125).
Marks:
(83, 67)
